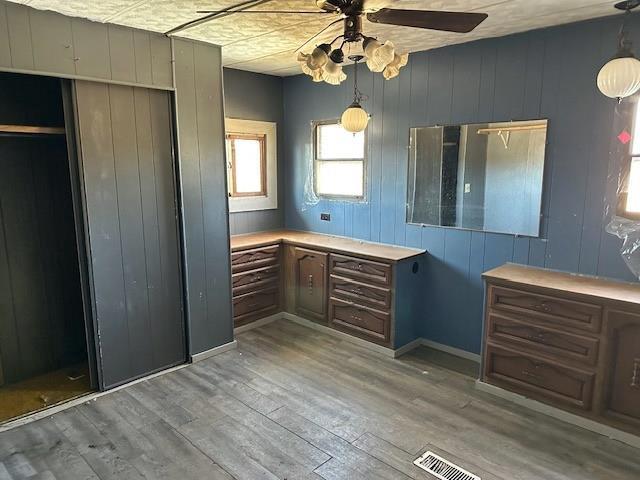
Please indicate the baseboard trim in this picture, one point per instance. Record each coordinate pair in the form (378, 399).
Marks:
(199, 357)
(258, 323)
(406, 348)
(474, 357)
(559, 414)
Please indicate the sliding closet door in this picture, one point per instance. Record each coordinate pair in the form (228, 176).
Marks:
(130, 199)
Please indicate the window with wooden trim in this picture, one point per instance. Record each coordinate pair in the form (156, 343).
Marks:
(247, 164)
(252, 164)
(339, 162)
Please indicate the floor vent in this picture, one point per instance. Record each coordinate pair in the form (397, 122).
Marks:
(443, 469)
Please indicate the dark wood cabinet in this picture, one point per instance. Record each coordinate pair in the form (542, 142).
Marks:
(566, 340)
(255, 281)
(622, 377)
(363, 289)
(311, 284)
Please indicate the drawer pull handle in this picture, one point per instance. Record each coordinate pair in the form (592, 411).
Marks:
(544, 306)
(310, 284)
(635, 379)
(529, 374)
(356, 317)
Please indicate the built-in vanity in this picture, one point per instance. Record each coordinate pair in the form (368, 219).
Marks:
(367, 290)
(566, 340)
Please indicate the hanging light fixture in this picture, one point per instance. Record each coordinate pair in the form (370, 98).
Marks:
(620, 77)
(355, 118)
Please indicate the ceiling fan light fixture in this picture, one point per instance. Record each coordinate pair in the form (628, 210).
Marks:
(378, 55)
(319, 57)
(393, 69)
(332, 73)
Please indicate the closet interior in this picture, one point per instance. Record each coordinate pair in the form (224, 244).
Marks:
(43, 339)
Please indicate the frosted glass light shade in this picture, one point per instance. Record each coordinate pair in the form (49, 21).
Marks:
(317, 59)
(620, 77)
(332, 73)
(354, 119)
(378, 56)
(393, 69)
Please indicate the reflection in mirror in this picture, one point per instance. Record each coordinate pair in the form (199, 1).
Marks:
(481, 176)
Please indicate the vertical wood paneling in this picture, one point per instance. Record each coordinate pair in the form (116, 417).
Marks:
(52, 42)
(161, 66)
(98, 170)
(123, 56)
(541, 74)
(142, 49)
(91, 46)
(129, 167)
(5, 50)
(132, 239)
(20, 42)
(205, 216)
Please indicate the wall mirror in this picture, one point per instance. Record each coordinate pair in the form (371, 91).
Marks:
(483, 176)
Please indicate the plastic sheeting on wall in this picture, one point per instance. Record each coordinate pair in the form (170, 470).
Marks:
(627, 229)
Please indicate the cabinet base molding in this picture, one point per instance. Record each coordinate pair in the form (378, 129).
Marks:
(198, 357)
(562, 415)
(258, 323)
(387, 352)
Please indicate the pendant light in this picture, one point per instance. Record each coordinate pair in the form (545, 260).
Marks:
(355, 118)
(620, 77)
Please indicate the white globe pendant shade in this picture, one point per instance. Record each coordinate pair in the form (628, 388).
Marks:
(620, 78)
(354, 119)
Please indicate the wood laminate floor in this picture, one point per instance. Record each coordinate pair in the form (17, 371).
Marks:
(294, 403)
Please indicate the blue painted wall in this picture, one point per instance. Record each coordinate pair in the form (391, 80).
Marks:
(540, 74)
(254, 96)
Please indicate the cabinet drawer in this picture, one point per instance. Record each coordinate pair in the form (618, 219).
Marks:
(363, 270)
(258, 279)
(556, 343)
(261, 303)
(358, 292)
(254, 258)
(538, 378)
(360, 321)
(553, 310)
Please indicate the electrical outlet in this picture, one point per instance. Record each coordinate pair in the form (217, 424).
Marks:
(325, 216)
(467, 188)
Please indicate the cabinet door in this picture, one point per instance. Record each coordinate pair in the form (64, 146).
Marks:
(622, 398)
(311, 284)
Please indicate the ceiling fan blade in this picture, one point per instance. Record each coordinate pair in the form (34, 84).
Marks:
(434, 20)
(265, 11)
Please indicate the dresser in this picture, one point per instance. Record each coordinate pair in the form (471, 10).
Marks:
(569, 341)
(363, 289)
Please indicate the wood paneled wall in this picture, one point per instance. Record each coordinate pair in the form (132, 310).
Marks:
(540, 74)
(45, 42)
(200, 119)
(253, 96)
(41, 317)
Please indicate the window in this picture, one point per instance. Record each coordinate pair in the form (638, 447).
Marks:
(339, 164)
(247, 164)
(251, 165)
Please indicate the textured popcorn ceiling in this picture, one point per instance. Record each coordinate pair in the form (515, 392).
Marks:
(266, 42)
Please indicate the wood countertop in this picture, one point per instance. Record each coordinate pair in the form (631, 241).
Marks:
(348, 246)
(588, 285)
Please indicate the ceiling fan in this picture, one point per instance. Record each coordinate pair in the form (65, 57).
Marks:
(324, 62)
